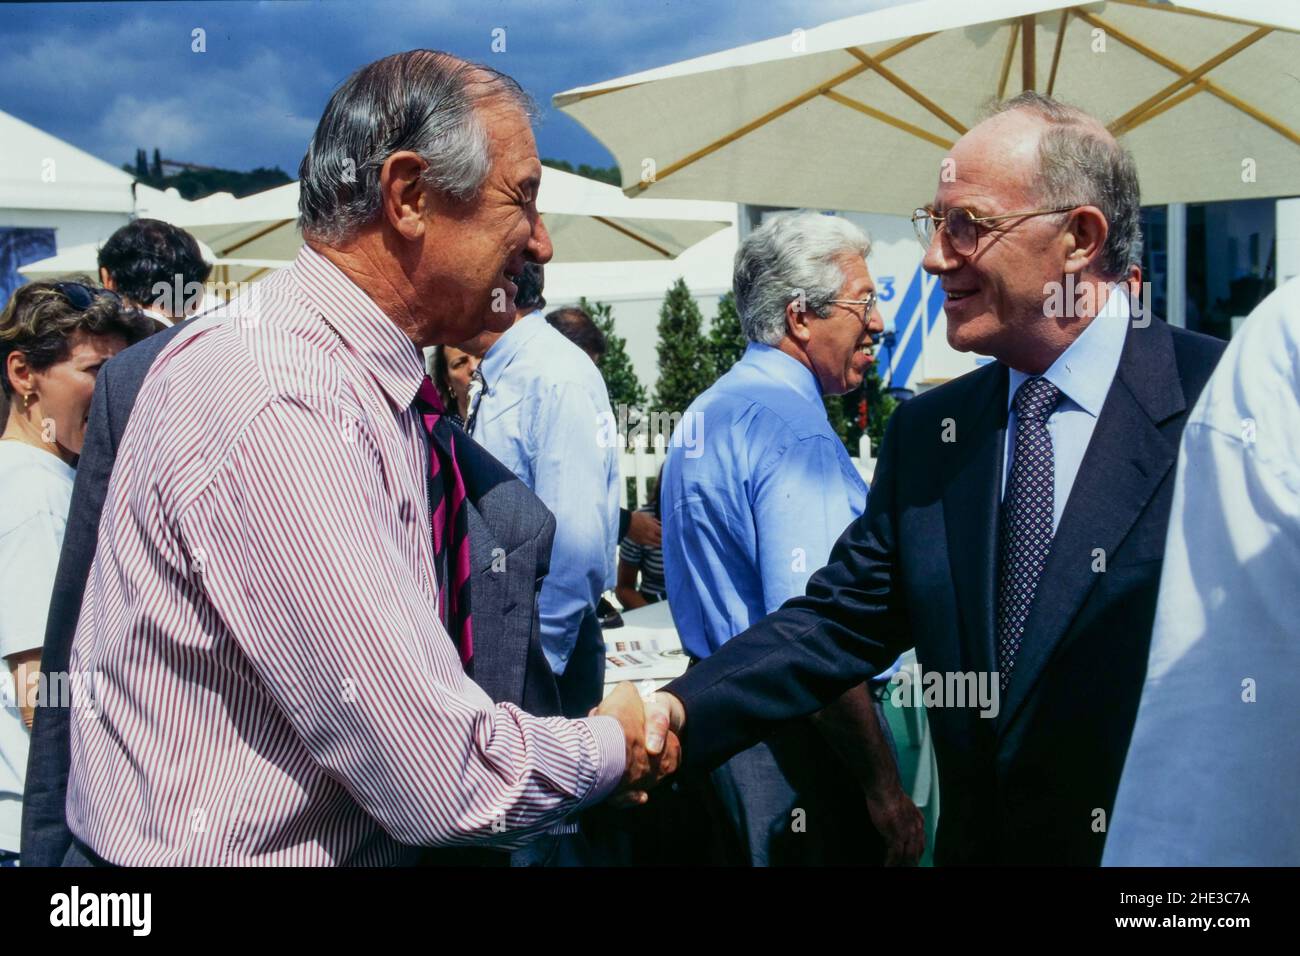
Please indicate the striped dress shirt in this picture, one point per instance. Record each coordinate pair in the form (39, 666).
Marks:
(272, 683)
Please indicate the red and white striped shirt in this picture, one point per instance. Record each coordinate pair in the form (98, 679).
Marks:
(273, 684)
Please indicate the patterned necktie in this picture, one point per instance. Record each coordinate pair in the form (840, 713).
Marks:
(1025, 535)
(475, 392)
(448, 516)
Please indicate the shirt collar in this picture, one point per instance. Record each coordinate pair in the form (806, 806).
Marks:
(784, 368)
(382, 348)
(1085, 370)
(511, 343)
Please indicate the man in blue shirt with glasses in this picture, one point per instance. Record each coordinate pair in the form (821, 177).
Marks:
(754, 508)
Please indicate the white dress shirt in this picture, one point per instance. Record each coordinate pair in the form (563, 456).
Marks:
(1212, 776)
(1083, 373)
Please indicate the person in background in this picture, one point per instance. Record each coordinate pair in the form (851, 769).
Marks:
(542, 411)
(644, 561)
(452, 371)
(53, 339)
(155, 266)
(641, 527)
(750, 516)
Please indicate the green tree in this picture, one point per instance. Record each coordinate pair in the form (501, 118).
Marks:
(616, 365)
(727, 340)
(686, 366)
(880, 406)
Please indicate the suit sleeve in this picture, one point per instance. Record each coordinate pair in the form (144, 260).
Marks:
(45, 834)
(847, 626)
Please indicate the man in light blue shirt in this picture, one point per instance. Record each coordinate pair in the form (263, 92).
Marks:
(540, 411)
(755, 507)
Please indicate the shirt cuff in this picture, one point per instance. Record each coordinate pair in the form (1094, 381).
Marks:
(611, 748)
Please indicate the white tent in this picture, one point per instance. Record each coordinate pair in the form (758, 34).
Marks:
(858, 114)
(40, 171)
(48, 184)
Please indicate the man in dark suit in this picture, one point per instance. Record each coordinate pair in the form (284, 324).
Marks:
(510, 534)
(1015, 529)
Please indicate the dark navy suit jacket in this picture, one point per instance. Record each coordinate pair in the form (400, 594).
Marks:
(506, 520)
(1035, 784)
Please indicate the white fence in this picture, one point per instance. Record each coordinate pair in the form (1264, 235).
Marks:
(640, 466)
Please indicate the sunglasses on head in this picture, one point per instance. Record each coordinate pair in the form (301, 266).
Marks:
(80, 296)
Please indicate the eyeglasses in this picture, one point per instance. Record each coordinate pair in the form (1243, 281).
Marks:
(964, 226)
(80, 296)
(869, 304)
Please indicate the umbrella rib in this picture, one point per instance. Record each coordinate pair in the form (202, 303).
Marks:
(1164, 107)
(1119, 125)
(1056, 53)
(770, 115)
(1027, 28)
(893, 121)
(902, 85)
(225, 253)
(1006, 61)
(1203, 83)
(632, 235)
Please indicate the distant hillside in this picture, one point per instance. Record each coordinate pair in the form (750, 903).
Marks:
(604, 174)
(194, 182)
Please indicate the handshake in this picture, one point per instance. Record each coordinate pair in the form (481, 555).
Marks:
(650, 728)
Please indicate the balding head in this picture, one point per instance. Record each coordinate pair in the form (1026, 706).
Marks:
(1075, 161)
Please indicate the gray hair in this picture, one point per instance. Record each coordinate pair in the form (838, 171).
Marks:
(425, 101)
(792, 255)
(1081, 164)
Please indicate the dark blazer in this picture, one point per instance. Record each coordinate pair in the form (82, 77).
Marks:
(919, 568)
(508, 525)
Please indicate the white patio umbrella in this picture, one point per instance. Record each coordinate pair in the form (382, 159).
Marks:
(858, 114)
(588, 221)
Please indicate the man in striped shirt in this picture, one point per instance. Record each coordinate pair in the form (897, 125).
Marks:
(274, 683)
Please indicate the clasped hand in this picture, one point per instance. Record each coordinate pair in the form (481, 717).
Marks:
(650, 728)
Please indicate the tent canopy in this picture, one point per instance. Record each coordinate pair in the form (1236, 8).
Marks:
(40, 171)
(859, 113)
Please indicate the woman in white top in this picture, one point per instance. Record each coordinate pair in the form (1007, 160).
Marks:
(53, 339)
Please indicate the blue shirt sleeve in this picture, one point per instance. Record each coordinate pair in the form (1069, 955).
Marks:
(801, 507)
(572, 476)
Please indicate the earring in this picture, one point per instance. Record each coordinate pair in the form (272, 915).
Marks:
(27, 401)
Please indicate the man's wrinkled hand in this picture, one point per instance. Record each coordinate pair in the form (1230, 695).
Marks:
(653, 750)
(900, 824)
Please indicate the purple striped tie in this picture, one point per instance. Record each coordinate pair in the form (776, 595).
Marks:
(448, 516)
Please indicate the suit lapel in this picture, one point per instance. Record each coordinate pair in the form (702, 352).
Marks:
(500, 650)
(1126, 459)
(970, 510)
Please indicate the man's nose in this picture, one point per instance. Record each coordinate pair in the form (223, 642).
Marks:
(940, 256)
(539, 243)
(876, 324)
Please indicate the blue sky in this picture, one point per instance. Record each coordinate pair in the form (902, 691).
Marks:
(109, 77)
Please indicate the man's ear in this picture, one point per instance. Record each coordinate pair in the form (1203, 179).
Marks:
(796, 320)
(404, 197)
(106, 280)
(1086, 233)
